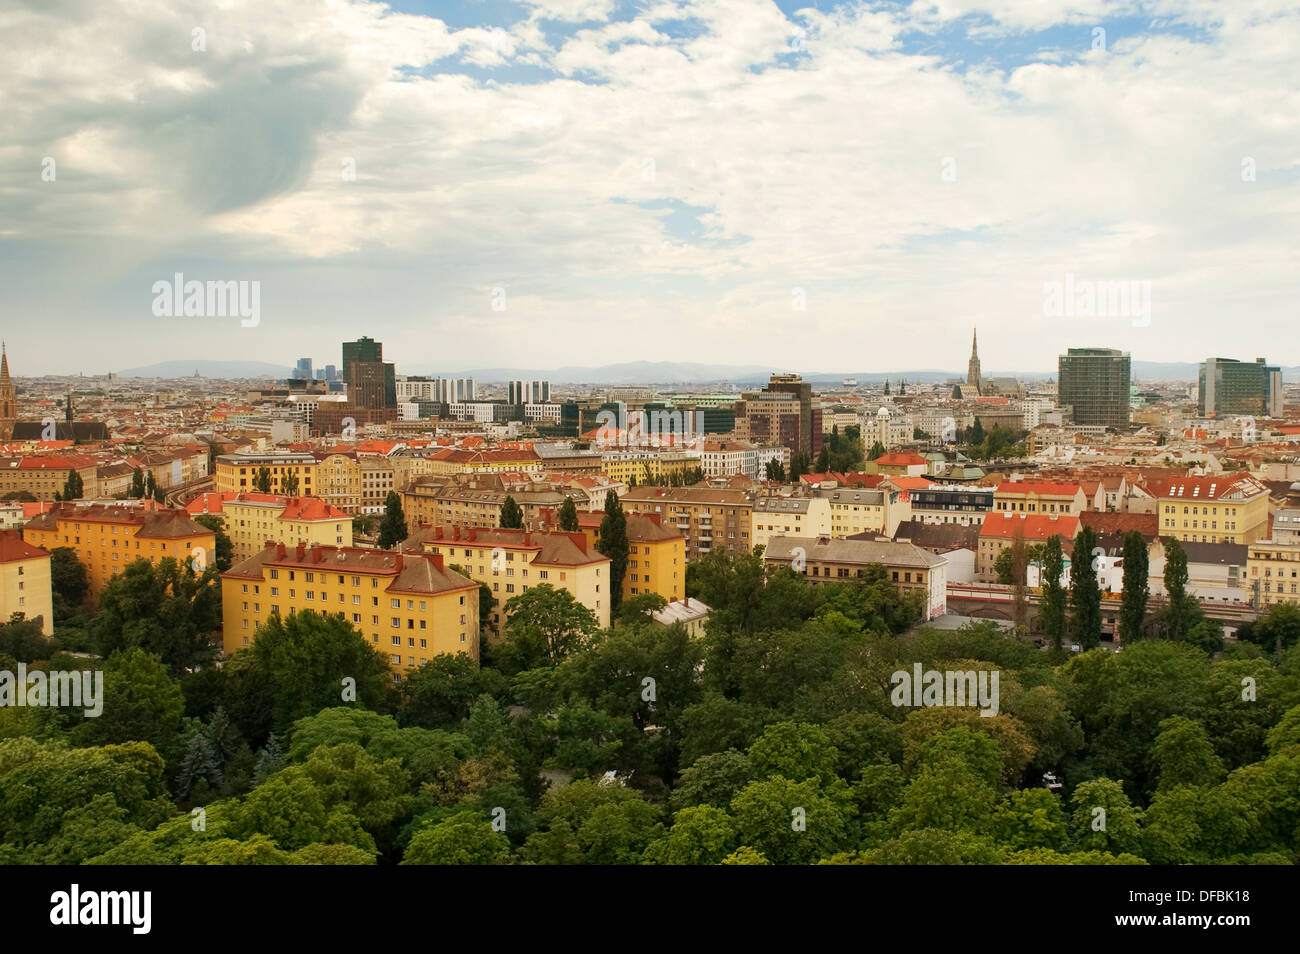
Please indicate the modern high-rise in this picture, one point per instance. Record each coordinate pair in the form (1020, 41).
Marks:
(1228, 386)
(783, 413)
(303, 370)
(1095, 382)
(529, 392)
(371, 382)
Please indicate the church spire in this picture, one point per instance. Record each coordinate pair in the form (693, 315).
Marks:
(973, 369)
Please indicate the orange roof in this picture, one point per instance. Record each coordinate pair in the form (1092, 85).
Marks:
(311, 508)
(910, 483)
(901, 460)
(209, 502)
(1220, 486)
(1036, 526)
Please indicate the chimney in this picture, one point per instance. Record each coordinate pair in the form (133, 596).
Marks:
(436, 559)
(301, 553)
(318, 555)
(279, 551)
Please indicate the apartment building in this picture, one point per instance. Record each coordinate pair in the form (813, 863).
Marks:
(239, 472)
(45, 475)
(1037, 497)
(961, 505)
(708, 517)
(640, 466)
(410, 605)
(25, 581)
(857, 510)
(106, 537)
(253, 519)
(1224, 508)
(784, 515)
(1000, 529)
(656, 554)
(826, 560)
(510, 561)
(1273, 564)
(476, 501)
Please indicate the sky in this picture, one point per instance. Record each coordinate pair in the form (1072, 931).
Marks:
(816, 187)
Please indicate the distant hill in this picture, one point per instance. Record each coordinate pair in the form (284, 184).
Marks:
(230, 370)
(635, 373)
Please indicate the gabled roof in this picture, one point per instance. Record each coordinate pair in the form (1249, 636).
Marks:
(14, 548)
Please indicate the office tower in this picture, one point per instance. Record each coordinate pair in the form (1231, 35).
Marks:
(783, 413)
(1228, 386)
(331, 372)
(528, 392)
(1095, 382)
(303, 369)
(371, 382)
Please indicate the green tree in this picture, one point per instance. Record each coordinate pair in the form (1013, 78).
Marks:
(69, 582)
(465, 838)
(165, 609)
(225, 550)
(1104, 819)
(790, 822)
(392, 529)
(261, 481)
(544, 625)
(512, 516)
(1133, 601)
(151, 488)
(614, 544)
(568, 516)
(1085, 595)
(307, 662)
(440, 693)
(1051, 606)
(289, 485)
(700, 835)
(141, 702)
(1183, 755)
(775, 470)
(1178, 612)
(137, 484)
(73, 486)
(877, 451)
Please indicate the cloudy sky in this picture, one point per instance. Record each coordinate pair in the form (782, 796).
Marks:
(548, 182)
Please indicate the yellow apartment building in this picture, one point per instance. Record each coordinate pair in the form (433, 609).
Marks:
(338, 481)
(656, 557)
(409, 606)
(254, 519)
(239, 472)
(25, 581)
(510, 561)
(106, 537)
(1225, 508)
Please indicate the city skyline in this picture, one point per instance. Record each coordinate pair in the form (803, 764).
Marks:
(588, 182)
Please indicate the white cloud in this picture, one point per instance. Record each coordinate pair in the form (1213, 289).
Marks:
(818, 167)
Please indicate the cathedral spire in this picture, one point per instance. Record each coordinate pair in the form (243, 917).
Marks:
(973, 369)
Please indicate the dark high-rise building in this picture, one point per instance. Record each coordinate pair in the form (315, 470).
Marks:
(1228, 386)
(303, 369)
(1095, 382)
(331, 373)
(371, 382)
(782, 413)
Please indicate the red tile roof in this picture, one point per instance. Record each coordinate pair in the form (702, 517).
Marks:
(1036, 526)
(1218, 487)
(14, 548)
